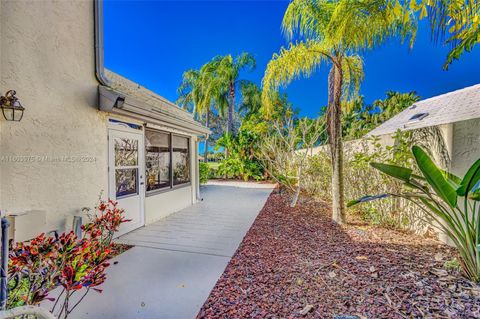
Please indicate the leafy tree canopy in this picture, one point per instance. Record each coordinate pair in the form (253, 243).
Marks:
(360, 118)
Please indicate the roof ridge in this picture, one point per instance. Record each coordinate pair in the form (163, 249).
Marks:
(436, 97)
(466, 102)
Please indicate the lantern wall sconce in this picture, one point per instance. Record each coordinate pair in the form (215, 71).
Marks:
(11, 108)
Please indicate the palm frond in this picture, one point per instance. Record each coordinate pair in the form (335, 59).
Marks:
(300, 59)
(188, 89)
(251, 97)
(308, 18)
(455, 21)
(366, 24)
(352, 69)
(462, 42)
(245, 61)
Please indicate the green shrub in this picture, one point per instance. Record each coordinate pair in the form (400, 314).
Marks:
(213, 173)
(451, 202)
(204, 172)
(242, 161)
(318, 176)
(245, 169)
(360, 178)
(452, 264)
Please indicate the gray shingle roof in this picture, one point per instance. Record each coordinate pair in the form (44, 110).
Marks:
(141, 93)
(147, 104)
(455, 106)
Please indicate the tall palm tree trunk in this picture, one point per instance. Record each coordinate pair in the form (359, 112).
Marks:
(231, 108)
(207, 124)
(334, 122)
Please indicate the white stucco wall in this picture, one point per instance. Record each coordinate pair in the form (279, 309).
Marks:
(56, 158)
(47, 56)
(466, 145)
(462, 141)
(355, 145)
(447, 134)
(163, 204)
(194, 168)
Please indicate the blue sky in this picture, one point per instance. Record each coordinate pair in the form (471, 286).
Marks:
(154, 42)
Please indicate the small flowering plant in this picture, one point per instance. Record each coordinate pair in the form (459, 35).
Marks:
(64, 261)
(105, 222)
(33, 271)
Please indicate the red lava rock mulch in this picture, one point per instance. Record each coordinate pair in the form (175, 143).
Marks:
(295, 262)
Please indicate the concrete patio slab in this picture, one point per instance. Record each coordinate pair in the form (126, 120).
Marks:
(177, 261)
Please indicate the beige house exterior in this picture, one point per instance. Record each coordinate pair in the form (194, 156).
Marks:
(451, 119)
(456, 115)
(85, 130)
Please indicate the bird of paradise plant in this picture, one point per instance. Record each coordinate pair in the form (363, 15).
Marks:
(450, 201)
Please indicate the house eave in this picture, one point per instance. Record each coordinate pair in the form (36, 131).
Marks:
(444, 109)
(405, 127)
(146, 113)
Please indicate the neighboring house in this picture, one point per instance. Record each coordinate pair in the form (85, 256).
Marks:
(448, 124)
(85, 129)
(453, 116)
(456, 115)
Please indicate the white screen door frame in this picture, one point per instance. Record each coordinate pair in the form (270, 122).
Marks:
(126, 171)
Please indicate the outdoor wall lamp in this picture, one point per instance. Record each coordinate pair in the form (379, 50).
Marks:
(11, 108)
(119, 102)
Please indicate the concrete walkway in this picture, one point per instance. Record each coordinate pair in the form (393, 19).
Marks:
(177, 261)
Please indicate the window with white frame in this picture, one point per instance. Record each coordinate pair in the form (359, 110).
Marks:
(166, 160)
(180, 162)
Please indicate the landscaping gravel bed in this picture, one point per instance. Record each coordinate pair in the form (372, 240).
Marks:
(296, 262)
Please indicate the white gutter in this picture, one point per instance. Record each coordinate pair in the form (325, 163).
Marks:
(113, 101)
(99, 45)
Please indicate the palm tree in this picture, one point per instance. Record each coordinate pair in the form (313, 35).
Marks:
(226, 72)
(189, 91)
(360, 118)
(394, 103)
(200, 91)
(251, 101)
(457, 21)
(330, 33)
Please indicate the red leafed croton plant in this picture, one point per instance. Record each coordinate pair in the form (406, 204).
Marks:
(74, 266)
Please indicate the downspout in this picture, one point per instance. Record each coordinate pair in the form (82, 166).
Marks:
(99, 45)
(100, 66)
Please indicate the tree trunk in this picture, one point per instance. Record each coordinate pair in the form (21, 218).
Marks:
(231, 108)
(334, 125)
(299, 187)
(205, 152)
